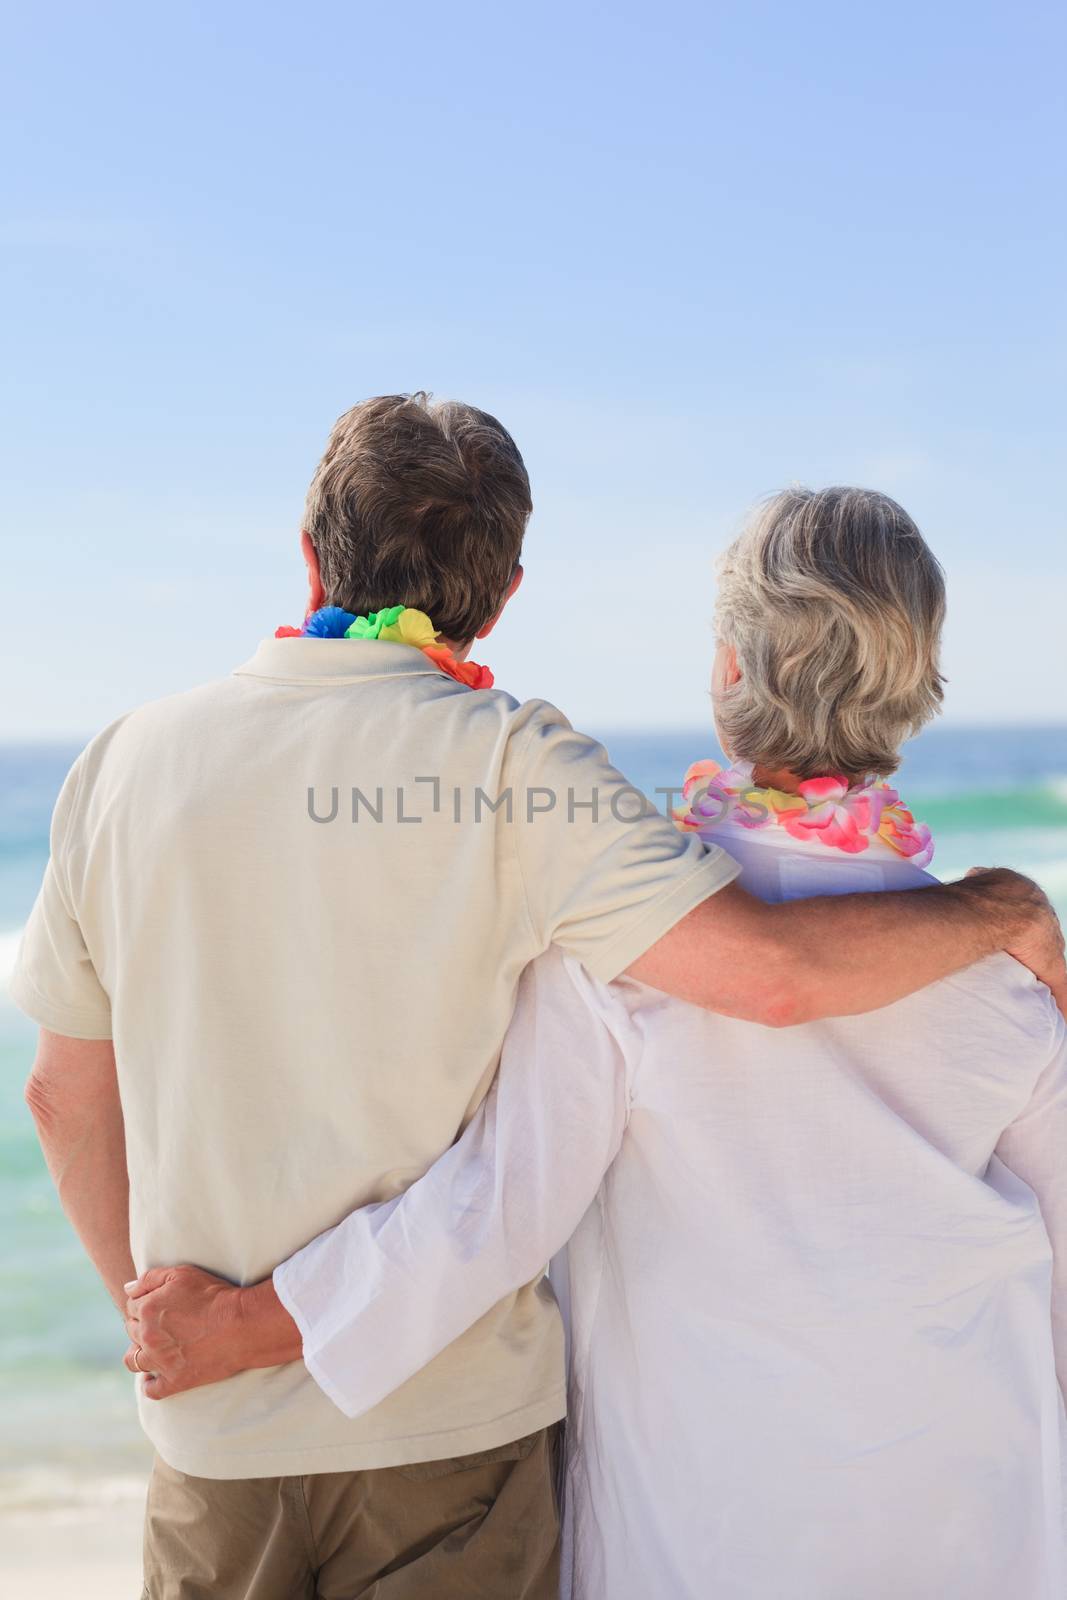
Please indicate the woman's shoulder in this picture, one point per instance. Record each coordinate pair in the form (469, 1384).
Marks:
(999, 993)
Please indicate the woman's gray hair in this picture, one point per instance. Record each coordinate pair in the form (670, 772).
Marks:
(834, 604)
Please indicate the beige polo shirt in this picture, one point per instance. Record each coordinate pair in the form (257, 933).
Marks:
(300, 900)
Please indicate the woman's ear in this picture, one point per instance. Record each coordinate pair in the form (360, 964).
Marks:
(316, 594)
(483, 633)
(725, 672)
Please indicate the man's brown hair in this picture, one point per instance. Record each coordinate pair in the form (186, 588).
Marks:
(419, 503)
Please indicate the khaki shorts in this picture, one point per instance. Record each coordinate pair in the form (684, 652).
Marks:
(480, 1527)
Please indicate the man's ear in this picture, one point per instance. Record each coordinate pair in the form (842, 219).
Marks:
(483, 633)
(316, 593)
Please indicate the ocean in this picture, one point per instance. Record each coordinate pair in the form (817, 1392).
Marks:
(993, 796)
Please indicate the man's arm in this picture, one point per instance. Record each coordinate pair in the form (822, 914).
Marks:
(613, 889)
(73, 1094)
(380, 1295)
(834, 957)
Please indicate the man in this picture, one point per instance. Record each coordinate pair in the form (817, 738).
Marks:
(299, 902)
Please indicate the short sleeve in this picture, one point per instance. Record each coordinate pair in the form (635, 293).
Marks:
(54, 981)
(605, 874)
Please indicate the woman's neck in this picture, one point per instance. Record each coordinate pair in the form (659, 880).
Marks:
(783, 779)
(775, 778)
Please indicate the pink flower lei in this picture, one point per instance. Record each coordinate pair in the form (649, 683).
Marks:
(825, 810)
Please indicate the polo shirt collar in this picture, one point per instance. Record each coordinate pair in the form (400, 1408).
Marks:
(334, 661)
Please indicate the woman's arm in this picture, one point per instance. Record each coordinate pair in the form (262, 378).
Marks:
(1035, 1149)
(372, 1301)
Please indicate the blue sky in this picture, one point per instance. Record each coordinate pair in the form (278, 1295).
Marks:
(688, 254)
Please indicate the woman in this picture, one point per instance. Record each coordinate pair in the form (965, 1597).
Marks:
(818, 1289)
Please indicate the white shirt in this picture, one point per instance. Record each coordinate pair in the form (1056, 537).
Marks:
(814, 1318)
(308, 1000)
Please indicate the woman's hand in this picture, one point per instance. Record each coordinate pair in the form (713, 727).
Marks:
(188, 1328)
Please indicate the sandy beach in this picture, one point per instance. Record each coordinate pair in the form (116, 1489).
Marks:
(79, 1538)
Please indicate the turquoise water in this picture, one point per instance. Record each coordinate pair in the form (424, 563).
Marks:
(992, 797)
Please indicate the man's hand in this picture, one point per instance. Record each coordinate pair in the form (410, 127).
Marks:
(188, 1328)
(1038, 943)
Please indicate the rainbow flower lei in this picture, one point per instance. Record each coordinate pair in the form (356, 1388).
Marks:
(825, 810)
(394, 625)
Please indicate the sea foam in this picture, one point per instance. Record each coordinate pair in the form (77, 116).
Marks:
(9, 944)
